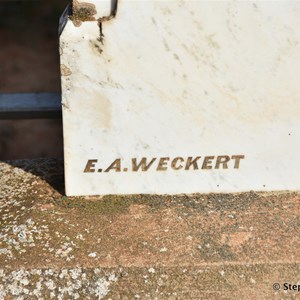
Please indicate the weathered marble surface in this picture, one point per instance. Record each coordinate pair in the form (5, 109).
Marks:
(183, 79)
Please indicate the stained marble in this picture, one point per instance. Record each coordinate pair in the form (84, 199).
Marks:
(175, 97)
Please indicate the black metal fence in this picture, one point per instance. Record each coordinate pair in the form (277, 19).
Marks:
(30, 106)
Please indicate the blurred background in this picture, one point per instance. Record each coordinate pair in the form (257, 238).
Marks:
(29, 63)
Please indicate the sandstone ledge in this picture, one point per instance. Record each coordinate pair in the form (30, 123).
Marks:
(197, 246)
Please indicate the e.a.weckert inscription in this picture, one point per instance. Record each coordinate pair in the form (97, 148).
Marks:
(166, 163)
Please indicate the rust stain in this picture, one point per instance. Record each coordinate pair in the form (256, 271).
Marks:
(65, 71)
(96, 46)
(112, 15)
(83, 11)
(102, 108)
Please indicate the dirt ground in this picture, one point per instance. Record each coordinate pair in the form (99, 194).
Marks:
(29, 63)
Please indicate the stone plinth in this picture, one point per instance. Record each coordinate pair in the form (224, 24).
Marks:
(216, 246)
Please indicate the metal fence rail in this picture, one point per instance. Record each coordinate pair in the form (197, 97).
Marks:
(30, 106)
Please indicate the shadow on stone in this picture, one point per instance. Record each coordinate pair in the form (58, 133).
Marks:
(49, 169)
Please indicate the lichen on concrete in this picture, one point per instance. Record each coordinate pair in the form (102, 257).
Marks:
(218, 246)
(75, 283)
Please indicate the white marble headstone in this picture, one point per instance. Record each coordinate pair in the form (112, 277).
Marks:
(181, 97)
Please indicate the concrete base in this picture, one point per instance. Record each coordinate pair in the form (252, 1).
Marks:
(216, 246)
